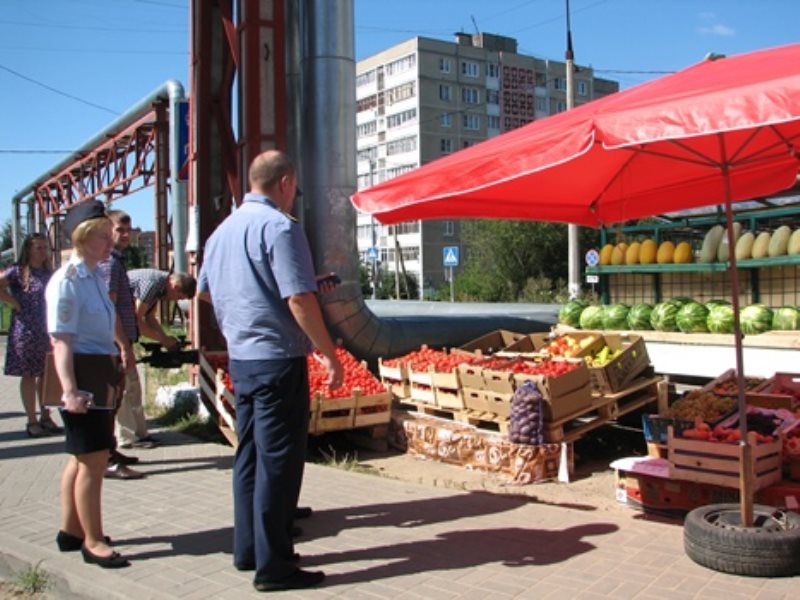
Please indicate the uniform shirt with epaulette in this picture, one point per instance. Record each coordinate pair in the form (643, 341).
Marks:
(252, 263)
(78, 304)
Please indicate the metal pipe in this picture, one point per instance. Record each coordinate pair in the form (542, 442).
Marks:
(171, 91)
(329, 179)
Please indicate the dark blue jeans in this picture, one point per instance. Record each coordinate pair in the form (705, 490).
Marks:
(272, 424)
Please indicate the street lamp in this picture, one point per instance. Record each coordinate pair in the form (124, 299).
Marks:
(573, 251)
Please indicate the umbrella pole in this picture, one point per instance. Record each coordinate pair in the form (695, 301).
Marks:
(745, 450)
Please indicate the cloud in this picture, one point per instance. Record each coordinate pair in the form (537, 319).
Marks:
(718, 29)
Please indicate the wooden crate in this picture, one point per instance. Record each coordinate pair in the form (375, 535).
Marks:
(716, 463)
(782, 390)
(486, 401)
(396, 378)
(372, 409)
(217, 399)
(334, 414)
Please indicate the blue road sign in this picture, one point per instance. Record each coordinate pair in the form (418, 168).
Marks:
(372, 254)
(592, 258)
(450, 256)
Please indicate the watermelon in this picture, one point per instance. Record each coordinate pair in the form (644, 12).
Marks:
(755, 319)
(712, 303)
(786, 318)
(570, 313)
(639, 316)
(691, 318)
(720, 319)
(615, 316)
(679, 301)
(592, 317)
(663, 316)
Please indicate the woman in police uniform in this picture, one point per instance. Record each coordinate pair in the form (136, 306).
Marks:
(80, 320)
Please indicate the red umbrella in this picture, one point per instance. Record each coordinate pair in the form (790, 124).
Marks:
(721, 131)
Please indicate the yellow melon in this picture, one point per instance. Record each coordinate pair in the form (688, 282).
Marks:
(647, 253)
(666, 253)
(779, 241)
(605, 254)
(794, 243)
(683, 253)
(761, 245)
(744, 247)
(632, 253)
(618, 255)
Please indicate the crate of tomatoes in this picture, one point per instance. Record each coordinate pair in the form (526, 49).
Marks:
(362, 400)
(433, 376)
(564, 384)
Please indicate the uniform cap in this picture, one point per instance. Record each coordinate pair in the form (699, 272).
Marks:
(83, 212)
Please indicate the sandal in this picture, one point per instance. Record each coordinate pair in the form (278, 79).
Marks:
(50, 426)
(34, 430)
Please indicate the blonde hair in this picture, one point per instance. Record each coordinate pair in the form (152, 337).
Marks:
(86, 228)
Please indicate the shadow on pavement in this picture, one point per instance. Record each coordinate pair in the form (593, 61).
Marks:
(515, 547)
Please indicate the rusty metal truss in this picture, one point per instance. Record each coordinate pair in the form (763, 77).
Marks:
(122, 165)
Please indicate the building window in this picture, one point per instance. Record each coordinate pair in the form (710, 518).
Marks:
(445, 93)
(472, 121)
(446, 145)
(444, 64)
(470, 95)
(559, 83)
(492, 70)
(366, 129)
(541, 104)
(400, 93)
(449, 228)
(367, 103)
(366, 78)
(469, 68)
(401, 64)
(446, 120)
(492, 97)
(367, 154)
(493, 122)
(583, 88)
(393, 172)
(406, 144)
(561, 106)
(401, 118)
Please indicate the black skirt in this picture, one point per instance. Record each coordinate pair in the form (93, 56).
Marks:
(93, 431)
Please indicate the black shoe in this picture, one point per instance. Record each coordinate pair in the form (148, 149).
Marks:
(119, 458)
(50, 427)
(251, 567)
(296, 531)
(72, 543)
(296, 581)
(302, 512)
(114, 561)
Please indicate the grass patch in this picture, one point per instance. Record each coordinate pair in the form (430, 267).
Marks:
(332, 457)
(32, 581)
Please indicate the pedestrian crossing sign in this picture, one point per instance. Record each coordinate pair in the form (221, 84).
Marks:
(450, 256)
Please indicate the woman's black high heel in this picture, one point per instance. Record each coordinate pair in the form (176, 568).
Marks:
(114, 561)
(72, 543)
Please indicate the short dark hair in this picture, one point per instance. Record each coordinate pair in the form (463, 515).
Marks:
(119, 216)
(185, 283)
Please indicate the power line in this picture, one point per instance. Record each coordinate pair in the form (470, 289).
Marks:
(94, 50)
(91, 27)
(57, 91)
(6, 151)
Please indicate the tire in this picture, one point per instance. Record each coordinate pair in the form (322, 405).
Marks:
(714, 537)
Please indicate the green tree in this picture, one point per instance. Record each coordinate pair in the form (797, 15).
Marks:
(135, 258)
(409, 289)
(6, 236)
(512, 260)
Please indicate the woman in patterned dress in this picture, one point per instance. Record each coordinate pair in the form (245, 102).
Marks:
(22, 287)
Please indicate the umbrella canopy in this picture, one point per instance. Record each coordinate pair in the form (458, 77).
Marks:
(658, 147)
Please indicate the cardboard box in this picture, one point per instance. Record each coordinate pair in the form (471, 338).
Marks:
(563, 395)
(484, 401)
(492, 342)
(614, 376)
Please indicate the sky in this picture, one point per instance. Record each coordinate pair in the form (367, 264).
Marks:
(69, 68)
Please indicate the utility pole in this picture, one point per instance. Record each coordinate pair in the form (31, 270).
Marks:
(374, 261)
(573, 250)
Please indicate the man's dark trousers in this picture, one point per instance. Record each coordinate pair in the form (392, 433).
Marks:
(272, 411)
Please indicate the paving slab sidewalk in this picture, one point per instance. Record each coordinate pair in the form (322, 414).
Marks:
(375, 537)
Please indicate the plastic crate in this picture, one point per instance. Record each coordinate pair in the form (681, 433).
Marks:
(656, 427)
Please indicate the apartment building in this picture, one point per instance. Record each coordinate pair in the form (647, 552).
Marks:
(425, 98)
